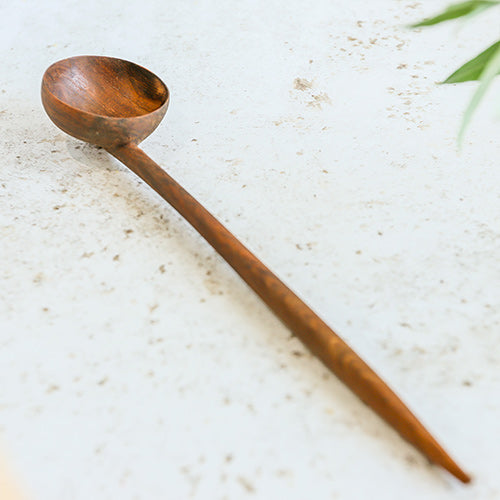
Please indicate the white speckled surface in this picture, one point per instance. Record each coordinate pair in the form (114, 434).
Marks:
(134, 363)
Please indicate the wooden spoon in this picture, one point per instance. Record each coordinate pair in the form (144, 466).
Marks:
(116, 104)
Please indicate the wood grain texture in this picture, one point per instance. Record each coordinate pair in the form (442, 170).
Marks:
(116, 104)
(103, 100)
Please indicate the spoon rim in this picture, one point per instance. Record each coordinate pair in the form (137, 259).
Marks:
(45, 88)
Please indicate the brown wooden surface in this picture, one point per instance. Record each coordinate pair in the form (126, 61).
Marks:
(116, 104)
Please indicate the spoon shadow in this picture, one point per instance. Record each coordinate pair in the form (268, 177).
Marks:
(89, 155)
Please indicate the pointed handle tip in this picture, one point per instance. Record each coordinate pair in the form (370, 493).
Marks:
(461, 475)
(448, 464)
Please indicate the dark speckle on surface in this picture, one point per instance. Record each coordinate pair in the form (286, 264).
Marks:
(302, 84)
(246, 484)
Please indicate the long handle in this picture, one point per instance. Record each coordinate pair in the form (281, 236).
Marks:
(302, 321)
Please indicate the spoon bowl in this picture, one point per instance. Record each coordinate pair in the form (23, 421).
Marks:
(103, 100)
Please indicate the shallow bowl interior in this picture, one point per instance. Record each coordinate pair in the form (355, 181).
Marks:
(106, 86)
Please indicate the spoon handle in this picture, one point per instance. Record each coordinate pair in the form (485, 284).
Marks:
(293, 312)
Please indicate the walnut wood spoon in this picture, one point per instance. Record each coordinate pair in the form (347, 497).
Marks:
(116, 104)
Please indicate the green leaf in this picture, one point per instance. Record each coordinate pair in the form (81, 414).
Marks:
(473, 69)
(491, 69)
(458, 10)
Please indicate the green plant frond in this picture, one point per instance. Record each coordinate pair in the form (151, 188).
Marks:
(473, 69)
(491, 69)
(457, 10)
